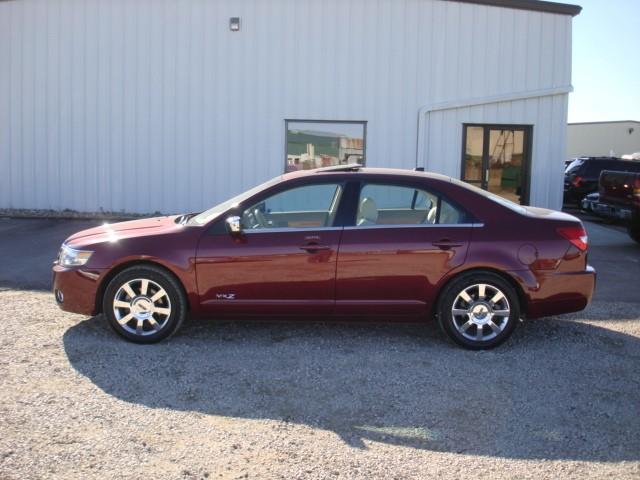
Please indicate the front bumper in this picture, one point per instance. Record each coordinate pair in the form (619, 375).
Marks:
(75, 289)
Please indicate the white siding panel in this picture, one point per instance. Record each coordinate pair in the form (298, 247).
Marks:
(154, 105)
(5, 108)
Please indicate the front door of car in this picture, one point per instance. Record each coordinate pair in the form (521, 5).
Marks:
(405, 239)
(282, 262)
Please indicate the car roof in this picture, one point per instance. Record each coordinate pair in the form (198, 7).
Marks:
(347, 170)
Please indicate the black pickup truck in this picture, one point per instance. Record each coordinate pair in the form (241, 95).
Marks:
(582, 175)
(620, 198)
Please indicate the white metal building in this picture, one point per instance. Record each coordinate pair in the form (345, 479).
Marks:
(166, 105)
(597, 139)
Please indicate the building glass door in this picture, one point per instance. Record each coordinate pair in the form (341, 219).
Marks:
(497, 158)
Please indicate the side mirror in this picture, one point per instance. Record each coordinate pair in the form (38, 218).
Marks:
(234, 224)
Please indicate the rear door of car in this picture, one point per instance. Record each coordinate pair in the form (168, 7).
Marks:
(404, 237)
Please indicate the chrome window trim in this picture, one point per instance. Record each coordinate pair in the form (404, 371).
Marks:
(363, 227)
(293, 230)
(418, 225)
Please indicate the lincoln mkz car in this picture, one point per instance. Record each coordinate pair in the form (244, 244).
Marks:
(341, 242)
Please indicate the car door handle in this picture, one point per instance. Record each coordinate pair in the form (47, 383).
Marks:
(446, 244)
(312, 248)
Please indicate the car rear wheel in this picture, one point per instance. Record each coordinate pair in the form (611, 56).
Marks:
(479, 310)
(144, 304)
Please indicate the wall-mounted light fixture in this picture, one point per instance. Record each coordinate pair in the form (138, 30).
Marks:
(631, 130)
(234, 24)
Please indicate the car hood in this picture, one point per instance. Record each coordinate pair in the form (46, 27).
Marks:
(112, 232)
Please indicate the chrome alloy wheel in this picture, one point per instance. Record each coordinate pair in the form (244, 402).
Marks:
(142, 307)
(480, 312)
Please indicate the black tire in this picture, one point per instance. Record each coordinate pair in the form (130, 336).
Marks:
(172, 301)
(493, 333)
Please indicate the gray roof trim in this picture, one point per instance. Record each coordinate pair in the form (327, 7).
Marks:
(612, 122)
(533, 5)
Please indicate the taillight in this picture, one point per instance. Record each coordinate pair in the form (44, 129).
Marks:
(577, 181)
(636, 187)
(577, 236)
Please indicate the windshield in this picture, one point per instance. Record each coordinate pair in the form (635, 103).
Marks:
(492, 196)
(214, 212)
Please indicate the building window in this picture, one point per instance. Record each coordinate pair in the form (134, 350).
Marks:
(497, 158)
(321, 143)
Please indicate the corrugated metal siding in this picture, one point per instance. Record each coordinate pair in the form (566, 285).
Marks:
(155, 105)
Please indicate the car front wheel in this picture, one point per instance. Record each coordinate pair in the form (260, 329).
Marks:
(144, 304)
(479, 311)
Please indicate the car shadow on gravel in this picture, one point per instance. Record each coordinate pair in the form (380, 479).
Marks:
(557, 390)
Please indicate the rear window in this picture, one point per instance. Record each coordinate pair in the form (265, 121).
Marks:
(492, 196)
(630, 165)
(615, 165)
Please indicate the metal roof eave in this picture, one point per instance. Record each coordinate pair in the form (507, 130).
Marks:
(532, 5)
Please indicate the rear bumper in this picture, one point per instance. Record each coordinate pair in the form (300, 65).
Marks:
(558, 293)
(613, 211)
(75, 289)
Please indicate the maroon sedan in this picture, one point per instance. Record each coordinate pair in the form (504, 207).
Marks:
(343, 241)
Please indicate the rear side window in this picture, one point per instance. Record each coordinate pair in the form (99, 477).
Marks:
(382, 204)
(625, 166)
(594, 167)
(618, 165)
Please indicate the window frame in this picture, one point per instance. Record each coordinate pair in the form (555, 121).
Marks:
(287, 121)
(354, 201)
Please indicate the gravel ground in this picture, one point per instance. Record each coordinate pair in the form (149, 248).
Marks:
(300, 400)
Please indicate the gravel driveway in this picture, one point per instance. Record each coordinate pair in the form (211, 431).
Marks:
(300, 400)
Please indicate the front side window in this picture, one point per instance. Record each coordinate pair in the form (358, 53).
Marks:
(315, 144)
(396, 205)
(310, 206)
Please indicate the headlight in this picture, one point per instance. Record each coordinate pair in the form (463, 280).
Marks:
(70, 257)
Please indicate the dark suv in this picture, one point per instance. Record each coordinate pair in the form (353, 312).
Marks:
(582, 175)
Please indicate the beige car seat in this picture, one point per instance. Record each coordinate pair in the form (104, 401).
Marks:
(367, 212)
(431, 216)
